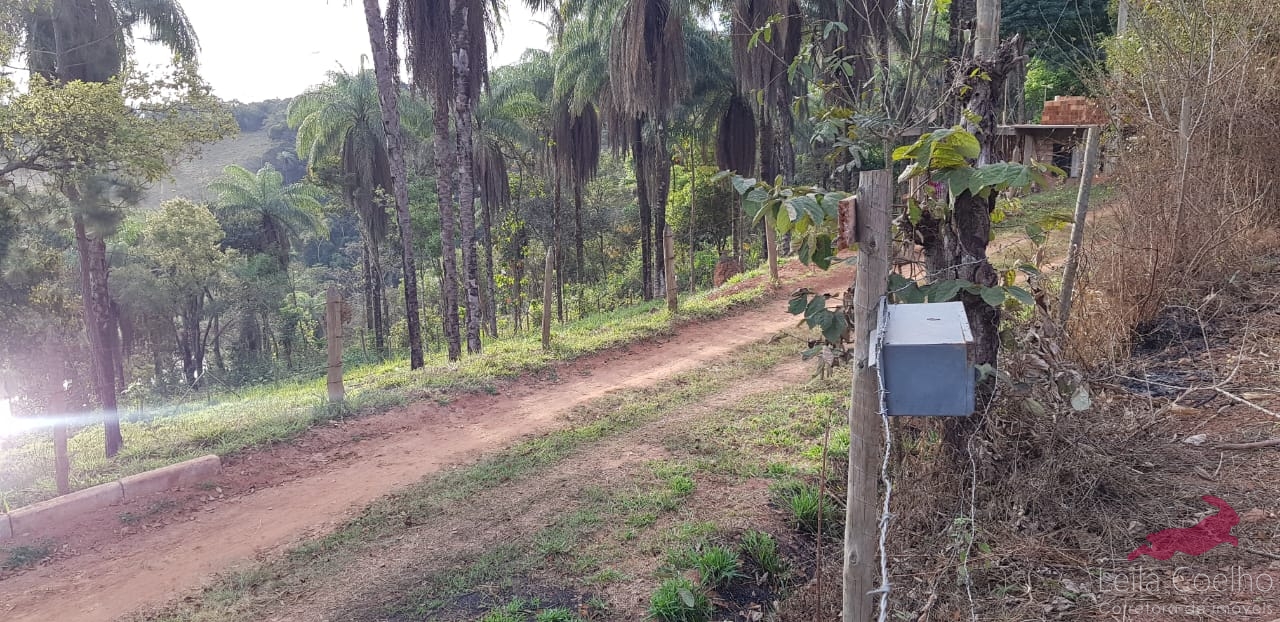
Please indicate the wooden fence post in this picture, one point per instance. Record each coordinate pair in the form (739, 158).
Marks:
(1077, 224)
(333, 334)
(61, 459)
(873, 207)
(669, 250)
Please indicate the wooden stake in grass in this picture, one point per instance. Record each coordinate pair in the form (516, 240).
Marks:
(333, 335)
(669, 250)
(61, 460)
(771, 248)
(1077, 226)
(547, 290)
(874, 202)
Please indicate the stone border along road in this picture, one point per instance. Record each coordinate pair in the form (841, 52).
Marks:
(28, 521)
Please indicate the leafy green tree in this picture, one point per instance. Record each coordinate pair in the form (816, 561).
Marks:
(177, 263)
(86, 43)
(283, 212)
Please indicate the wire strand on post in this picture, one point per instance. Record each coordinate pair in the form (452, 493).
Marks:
(882, 323)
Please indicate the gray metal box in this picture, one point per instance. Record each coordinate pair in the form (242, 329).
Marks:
(925, 360)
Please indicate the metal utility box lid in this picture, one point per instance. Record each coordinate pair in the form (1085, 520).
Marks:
(925, 360)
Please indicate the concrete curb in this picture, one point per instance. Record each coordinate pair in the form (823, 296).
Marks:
(66, 508)
(173, 476)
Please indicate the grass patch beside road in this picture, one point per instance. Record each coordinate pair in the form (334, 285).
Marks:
(226, 423)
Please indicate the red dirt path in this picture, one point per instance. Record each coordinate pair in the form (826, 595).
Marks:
(268, 500)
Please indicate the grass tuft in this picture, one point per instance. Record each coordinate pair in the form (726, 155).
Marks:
(680, 600)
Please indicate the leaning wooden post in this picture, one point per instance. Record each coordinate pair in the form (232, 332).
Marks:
(669, 250)
(547, 299)
(1077, 225)
(771, 247)
(61, 459)
(333, 334)
(872, 209)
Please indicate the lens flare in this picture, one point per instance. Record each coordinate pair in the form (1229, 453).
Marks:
(7, 423)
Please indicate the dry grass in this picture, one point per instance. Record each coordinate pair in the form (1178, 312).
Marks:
(1194, 183)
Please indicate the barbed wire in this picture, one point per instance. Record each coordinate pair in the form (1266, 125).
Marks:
(886, 517)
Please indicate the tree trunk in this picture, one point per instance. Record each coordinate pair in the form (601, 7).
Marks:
(662, 189)
(386, 68)
(639, 152)
(379, 320)
(99, 327)
(693, 221)
(556, 226)
(490, 284)
(465, 116)
(579, 263)
(956, 247)
(546, 298)
(445, 157)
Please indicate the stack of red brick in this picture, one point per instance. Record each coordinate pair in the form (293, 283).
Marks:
(1073, 110)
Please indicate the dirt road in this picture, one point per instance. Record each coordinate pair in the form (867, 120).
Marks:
(276, 498)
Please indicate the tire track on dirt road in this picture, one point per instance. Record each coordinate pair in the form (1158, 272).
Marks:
(117, 576)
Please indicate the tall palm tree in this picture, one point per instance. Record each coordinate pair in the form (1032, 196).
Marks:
(284, 212)
(342, 120)
(386, 64)
(426, 27)
(89, 40)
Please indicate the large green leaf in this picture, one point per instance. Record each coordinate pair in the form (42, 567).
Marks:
(743, 184)
(945, 291)
(815, 309)
(993, 296)
(834, 329)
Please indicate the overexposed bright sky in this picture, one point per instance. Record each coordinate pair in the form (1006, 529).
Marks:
(251, 50)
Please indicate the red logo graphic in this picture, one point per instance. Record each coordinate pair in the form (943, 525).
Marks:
(1198, 540)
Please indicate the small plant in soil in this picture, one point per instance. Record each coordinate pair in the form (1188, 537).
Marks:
(805, 503)
(27, 555)
(761, 548)
(679, 600)
(717, 565)
(559, 614)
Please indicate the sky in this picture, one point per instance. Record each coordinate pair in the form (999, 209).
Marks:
(251, 50)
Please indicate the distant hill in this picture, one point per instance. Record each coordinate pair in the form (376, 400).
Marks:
(264, 137)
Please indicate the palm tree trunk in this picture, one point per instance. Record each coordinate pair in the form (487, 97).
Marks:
(445, 158)
(386, 67)
(555, 243)
(379, 320)
(463, 82)
(646, 216)
(490, 285)
(581, 266)
(662, 188)
(97, 321)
